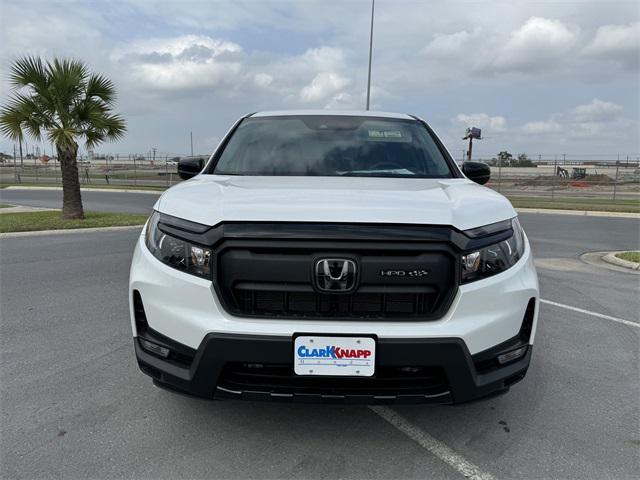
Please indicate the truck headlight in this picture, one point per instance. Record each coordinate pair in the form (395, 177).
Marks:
(175, 252)
(495, 258)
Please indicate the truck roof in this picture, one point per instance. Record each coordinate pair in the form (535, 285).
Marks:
(344, 113)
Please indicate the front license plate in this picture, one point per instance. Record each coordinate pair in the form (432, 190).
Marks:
(334, 356)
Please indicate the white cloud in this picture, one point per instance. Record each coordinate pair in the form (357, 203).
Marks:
(596, 120)
(342, 101)
(452, 46)
(323, 85)
(323, 58)
(542, 127)
(597, 111)
(190, 47)
(262, 80)
(184, 62)
(536, 47)
(539, 43)
(616, 42)
(483, 121)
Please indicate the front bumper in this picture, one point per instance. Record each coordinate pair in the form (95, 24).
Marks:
(407, 371)
(186, 309)
(218, 355)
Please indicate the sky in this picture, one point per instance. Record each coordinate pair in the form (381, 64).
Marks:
(538, 77)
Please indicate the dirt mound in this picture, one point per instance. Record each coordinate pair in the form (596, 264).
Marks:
(599, 179)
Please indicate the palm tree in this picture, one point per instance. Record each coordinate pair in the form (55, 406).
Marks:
(63, 101)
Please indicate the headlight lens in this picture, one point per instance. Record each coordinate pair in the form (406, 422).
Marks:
(495, 258)
(175, 252)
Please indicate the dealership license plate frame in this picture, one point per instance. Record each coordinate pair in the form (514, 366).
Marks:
(330, 367)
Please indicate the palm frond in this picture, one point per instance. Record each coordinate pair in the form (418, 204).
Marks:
(63, 136)
(99, 86)
(63, 100)
(24, 114)
(67, 80)
(89, 112)
(28, 71)
(116, 127)
(94, 137)
(11, 123)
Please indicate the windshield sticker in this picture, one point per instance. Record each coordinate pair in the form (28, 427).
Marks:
(385, 134)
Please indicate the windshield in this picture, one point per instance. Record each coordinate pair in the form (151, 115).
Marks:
(326, 145)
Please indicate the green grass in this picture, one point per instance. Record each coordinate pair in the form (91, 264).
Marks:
(629, 256)
(5, 205)
(52, 220)
(564, 203)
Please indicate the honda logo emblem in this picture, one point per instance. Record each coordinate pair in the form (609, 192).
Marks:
(336, 275)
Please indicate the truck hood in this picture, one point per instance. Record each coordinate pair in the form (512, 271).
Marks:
(211, 199)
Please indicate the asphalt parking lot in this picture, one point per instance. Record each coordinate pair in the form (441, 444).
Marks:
(74, 404)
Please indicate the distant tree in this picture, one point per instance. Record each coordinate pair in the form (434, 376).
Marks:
(522, 161)
(63, 101)
(504, 159)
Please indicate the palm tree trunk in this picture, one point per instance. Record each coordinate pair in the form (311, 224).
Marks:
(71, 198)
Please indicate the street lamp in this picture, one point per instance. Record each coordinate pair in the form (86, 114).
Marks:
(373, 4)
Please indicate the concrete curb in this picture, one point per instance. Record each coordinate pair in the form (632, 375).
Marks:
(38, 233)
(596, 259)
(114, 190)
(613, 260)
(581, 213)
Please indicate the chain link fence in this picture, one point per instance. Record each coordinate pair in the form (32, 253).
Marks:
(562, 180)
(118, 170)
(569, 176)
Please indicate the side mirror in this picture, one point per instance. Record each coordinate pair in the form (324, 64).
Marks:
(477, 171)
(190, 167)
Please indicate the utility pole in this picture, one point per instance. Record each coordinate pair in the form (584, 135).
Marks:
(21, 161)
(615, 182)
(15, 172)
(154, 154)
(191, 135)
(373, 4)
(470, 134)
(553, 181)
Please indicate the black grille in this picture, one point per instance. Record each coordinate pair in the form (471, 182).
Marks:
(262, 278)
(280, 379)
(304, 304)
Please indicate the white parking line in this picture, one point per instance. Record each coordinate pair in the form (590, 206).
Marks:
(436, 447)
(593, 314)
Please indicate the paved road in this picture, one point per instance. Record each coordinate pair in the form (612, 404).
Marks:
(125, 202)
(74, 405)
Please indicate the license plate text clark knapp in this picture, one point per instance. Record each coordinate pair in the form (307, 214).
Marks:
(344, 356)
(332, 352)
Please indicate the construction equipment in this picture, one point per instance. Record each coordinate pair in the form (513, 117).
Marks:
(579, 173)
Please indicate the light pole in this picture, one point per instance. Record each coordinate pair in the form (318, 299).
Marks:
(373, 4)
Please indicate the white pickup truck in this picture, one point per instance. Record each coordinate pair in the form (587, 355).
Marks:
(333, 257)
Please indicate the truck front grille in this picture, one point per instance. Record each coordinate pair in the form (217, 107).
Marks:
(277, 279)
(304, 304)
(389, 382)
